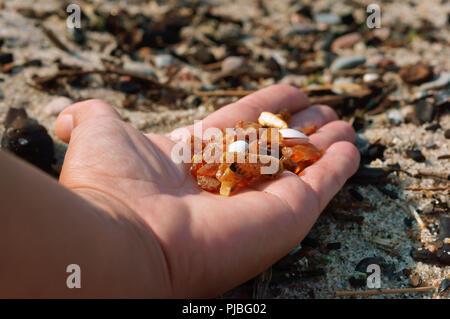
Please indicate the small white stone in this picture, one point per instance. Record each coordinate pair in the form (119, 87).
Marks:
(293, 137)
(370, 77)
(291, 133)
(57, 105)
(238, 146)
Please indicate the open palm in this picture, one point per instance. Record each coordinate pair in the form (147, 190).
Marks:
(208, 243)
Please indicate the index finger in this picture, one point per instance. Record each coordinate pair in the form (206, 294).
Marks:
(271, 99)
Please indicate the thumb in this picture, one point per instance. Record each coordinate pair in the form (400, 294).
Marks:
(75, 114)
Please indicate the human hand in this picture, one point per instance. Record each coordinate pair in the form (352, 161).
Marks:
(208, 243)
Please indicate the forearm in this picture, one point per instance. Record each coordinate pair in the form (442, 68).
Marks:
(45, 227)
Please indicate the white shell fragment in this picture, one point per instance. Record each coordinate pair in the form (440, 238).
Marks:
(238, 146)
(271, 120)
(293, 137)
(291, 133)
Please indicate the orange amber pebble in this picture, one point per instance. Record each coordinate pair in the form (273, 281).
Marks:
(309, 130)
(209, 169)
(302, 152)
(209, 184)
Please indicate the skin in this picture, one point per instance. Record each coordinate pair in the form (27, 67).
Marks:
(137, 223)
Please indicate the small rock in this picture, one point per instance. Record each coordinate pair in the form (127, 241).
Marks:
(355, 194)
(426, 207)
(443, 254)
(445, 284)
(295, 80)
(358, 279)
(415, 155)
(376, 151)
(328, 18)
(442, 80)
(233, 64)
(346, 63)
(442, 99)
(6, 58)
(164, 60)
(28, 139)
(414, 280)
(334, 246)
(424, 255)
(129, 87)
(433, 127)
(416, 73)
(395, 117)
(362, 143)
(444, 228)
(203, 56)
(424, 111)
(447, 134)
(370, 77)
(408, 221)
(366, 175)
(2, 96)
(139, 68)
(345, 41)
(57, 105)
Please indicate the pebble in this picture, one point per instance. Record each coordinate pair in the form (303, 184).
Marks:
(233, 64)
(447, 134)
(414, 280)
(57, 105)
(295, 80)
(395, 117)
(345, 41)
(28, 139)
(442, 98)
(327, 18)
(445, 284)
(370, 77)
(358, 279)
(6, 58)
(416, 73)
(164, 60)
(346, 63)
(139, 68)
(334, 246)
(362, 143)
(2, 95)
(424, 111)
(442, 80)
(415, 155)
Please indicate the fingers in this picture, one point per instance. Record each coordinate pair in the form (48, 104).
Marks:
(317, 115)
(292, 189)
(77, 113)
(328, 175)
(272, 99)
(331, 133)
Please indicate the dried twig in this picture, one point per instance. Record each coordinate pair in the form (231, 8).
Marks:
(224, 92)
(431, 189)
(54, 39)
(382, 291)
(304, 89)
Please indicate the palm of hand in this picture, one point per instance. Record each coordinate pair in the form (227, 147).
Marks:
(209, 243)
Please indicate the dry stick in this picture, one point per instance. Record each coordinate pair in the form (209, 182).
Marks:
(382, 292)
(431, 189)
(304, 89)
(54, 39)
